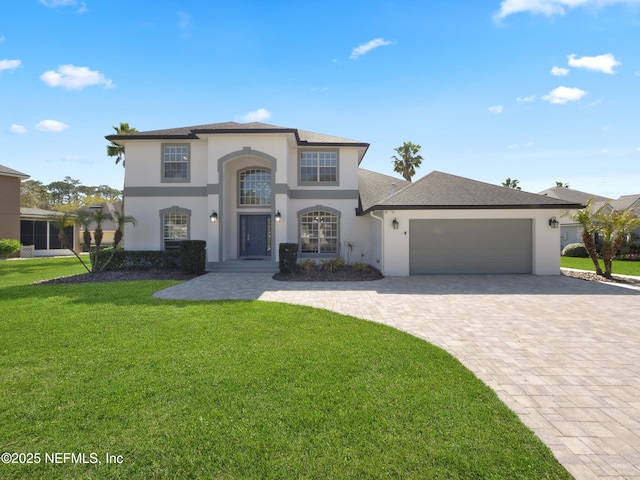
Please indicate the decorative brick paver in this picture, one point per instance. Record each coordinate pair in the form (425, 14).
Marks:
(562, 353)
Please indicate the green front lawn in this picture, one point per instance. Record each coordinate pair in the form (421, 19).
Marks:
(174, 389)
(618, 267)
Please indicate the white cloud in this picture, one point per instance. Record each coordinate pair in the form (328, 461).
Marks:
(257, 115)
(51, 126)
(75, 78)
(367, 47)
(496, 109)
(17, 129)
(58, 3)
(552, 7)
(184, 20)
(562, 95)
(559, 71)
(528, 99)
(600, 63)
(9, 64)
(2, 38)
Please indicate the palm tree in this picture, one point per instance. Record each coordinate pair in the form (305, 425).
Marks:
(60, 222)
(585, 218)
(120, 220)
(85, 218)
(99, 216)
(408, 160)
(511, 184)
(615, 227)
(117, 151)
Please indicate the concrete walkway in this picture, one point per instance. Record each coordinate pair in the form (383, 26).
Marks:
(562, 353)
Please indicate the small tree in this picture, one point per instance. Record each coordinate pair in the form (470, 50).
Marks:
(120, 219)
(615, 227)
(585, 218)
(511, 184)
(60, 222)
(9, 246)
(407, 160)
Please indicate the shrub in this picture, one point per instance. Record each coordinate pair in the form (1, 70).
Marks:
(141, 259)
(193, 256)
(332, 264)
(361, 266)
(9, 246)
(288, 257)
(575, 250)
(307, 265)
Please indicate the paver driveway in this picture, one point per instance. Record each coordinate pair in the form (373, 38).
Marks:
(564, 354)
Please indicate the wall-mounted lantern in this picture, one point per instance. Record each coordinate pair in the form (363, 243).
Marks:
(395, 224)
(213, 218)
(553, 223)
(278, 217)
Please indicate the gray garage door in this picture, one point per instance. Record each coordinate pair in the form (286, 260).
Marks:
(470, 246)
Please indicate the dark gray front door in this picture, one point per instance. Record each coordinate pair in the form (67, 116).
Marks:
(255, 235)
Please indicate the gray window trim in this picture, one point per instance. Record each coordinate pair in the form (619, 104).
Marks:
(322, 208)
(319, 183)
(174, 209)
(164, 179)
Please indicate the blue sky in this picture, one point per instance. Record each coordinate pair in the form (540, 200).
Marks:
(536, 90)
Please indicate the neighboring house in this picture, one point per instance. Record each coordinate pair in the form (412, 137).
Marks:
(39, 234)
(570, 231)
(246, 188)
(10, 202)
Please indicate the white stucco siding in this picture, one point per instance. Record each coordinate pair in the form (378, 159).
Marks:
(395, 243)
(147, 233)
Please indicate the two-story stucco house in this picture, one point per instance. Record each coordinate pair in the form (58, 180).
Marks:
(246, 188)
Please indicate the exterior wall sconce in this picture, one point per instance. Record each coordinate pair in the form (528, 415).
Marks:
(553, 223)
(395, 224)
(278, 217)
(213, 218)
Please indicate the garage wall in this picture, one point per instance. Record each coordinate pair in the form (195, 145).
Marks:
(545, 258)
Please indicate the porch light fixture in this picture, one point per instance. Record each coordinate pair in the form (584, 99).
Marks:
(278, 217)
(553, 223)
(213, 218)
(395, 224)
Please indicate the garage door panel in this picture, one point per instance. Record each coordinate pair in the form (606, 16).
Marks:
(470, 246)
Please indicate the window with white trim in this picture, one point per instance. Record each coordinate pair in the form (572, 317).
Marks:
(319, 232)
(175, 163)
(319, 167)
(255, 187)
(175, 228)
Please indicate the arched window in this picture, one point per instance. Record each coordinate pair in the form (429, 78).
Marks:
(175, 227)
(319, 232)
(255, 187)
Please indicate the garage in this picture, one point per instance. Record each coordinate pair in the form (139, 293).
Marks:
(468, 246)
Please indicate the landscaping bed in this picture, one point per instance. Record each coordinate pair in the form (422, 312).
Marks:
(342, 274)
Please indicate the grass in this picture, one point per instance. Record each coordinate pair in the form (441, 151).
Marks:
(618, 267)
(235, 390)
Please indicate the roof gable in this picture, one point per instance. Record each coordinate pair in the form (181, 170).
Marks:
(10, 172)
(571, 195)
(439, 190)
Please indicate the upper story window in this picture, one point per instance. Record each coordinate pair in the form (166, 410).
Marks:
(255, 187)
(176, 163)
(319, 167)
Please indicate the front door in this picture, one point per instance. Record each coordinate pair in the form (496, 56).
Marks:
(255, 235)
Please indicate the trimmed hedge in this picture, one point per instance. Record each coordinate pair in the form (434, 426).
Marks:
(288, 257)
(141, 259)
(193, 256)
(9, 246)
(575, 250)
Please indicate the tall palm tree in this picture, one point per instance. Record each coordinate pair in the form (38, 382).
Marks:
(117, 151)
(585, 218)
(407, 160)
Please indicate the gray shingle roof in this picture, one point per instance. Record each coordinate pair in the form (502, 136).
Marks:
(302, 136)
(10, 172)
(570, 195)
(374, 187)
(439, 190)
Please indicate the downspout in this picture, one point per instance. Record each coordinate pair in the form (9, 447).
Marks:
(383, 259)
